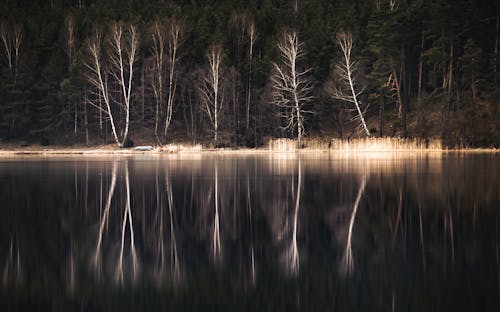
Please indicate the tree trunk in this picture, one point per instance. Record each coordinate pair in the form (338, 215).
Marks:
(420, 82)
(86, 118)
(495, 55)
(405, 97)
(299, 125)
(449, 81)
(142, 93)
(381, 100)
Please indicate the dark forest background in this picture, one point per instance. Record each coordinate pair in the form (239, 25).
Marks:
(430, 67)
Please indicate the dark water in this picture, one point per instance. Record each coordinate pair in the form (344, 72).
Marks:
(376, 232)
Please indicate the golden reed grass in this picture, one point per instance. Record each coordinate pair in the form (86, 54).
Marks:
(359, 144)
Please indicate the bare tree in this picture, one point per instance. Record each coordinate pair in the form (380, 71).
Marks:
(98, 78)
(11, 41)
(291, 85)
(252, 36)
(174, 41)
(211, 88)
(158, 81)
(495, 52)
(70, 52)
(346, 71)
(122, 54)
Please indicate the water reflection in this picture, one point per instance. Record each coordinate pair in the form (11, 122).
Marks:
(347, 264)
(332, 231)
(12, 272)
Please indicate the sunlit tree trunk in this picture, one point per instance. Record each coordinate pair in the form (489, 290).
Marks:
(123, 54)
(211, 89)
(252, 36)
(158, 49)
(291, 86)
(70, 52)
(237, 22)
(174, 42)
(85, 116)
(98, 78)
(346, 69)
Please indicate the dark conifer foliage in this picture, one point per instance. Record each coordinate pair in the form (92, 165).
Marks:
(431, 68)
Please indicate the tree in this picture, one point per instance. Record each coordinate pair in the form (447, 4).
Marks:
(174, 41)
(122, 55)
(14, 108)
(470, 67)
(11, 41)
(291, 85)
(158, 71)
(211, 88)
(346, 70)
(69, 32)
(166, 43)
(252, 36)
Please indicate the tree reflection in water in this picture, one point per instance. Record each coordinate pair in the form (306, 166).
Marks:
(347, 264)
(256, 226)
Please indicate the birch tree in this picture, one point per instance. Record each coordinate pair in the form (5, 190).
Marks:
(158, 76)
(166, 42)
(98, 78)
(122, 53)
(70, 52)
(212, 90)
(11, 42)
(252, 36)
(349, 88)
(291, 85)
(174, 41)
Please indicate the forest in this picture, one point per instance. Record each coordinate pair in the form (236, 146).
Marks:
(236, 73)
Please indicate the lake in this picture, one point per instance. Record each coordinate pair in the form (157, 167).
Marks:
(268, 232)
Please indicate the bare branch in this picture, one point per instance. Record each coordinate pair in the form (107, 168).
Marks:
(291, 86)
(346, 71)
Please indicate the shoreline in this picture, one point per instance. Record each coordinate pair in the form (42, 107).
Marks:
(311, 145)
(104, 151)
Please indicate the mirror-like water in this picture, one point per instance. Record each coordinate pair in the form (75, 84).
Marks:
(268, 232)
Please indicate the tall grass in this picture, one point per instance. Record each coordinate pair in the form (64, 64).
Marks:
(386, 144)
(359, 144)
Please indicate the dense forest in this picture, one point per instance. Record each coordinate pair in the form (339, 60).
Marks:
(238, 72)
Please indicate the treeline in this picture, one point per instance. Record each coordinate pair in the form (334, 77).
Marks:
(223, 71)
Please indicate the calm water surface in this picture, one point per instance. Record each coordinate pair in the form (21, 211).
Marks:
(268, 232)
